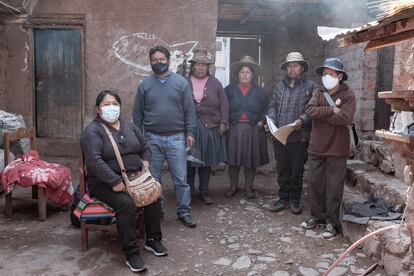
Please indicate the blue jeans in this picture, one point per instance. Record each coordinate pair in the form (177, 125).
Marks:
(172, 148)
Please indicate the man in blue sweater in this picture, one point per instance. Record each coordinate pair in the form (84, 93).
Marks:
(164, 110)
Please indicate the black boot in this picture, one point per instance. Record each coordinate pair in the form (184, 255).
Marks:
(234, 180)
(249, 175)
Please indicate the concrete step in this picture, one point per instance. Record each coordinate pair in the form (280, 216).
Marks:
(391, 249)
(371, 182)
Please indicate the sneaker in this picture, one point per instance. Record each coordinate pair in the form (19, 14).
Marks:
(187, 220)
(279, 206)
(135, 263)
(295, 208)
(329, 231)
(309, 224)
(206, 199)
(156, 247)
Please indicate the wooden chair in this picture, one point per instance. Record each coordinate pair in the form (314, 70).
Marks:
(86, 225)
(38, 192)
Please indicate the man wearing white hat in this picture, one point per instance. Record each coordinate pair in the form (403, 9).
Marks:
(290, 97)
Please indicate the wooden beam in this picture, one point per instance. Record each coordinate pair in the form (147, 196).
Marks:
(397, 94)
(378, 32)
(272, 2)
(389, 40)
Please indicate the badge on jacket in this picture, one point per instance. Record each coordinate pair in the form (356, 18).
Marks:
(338, 102)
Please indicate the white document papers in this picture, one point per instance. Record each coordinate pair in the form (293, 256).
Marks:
(281, 133)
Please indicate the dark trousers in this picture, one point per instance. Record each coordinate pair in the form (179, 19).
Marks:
(290, 160)
(327, 179)
(204, 174)
(126, 217)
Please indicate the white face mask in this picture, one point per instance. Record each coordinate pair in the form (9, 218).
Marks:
(110, 113)
(329, 82)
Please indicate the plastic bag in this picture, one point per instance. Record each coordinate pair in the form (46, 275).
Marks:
(9, 123)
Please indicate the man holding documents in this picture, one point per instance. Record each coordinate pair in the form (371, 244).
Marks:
(287, 110)
(332, 111)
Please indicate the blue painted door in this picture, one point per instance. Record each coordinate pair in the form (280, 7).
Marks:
(58, 82)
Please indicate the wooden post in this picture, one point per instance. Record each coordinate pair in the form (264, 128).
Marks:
(8, 206)
(35, 196)
(84, 235)
(41, 202)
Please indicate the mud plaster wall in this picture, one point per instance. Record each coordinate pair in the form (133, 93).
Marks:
(116, 43)
(3, 67)
(14, 93)
(404, 66)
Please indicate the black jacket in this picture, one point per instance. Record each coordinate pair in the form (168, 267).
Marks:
(100, 158)
(307, 87)
(254, 103)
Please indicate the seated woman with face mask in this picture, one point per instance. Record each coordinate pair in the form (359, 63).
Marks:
(104, 176)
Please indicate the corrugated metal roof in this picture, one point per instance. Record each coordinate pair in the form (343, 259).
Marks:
(402, 10)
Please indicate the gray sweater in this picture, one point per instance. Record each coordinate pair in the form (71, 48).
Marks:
(164, 109)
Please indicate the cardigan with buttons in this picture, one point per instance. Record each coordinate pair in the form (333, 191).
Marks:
(254, 103)
(213, 108)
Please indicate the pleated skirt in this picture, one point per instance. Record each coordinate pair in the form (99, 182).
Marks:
(247, 145)
(210, 146)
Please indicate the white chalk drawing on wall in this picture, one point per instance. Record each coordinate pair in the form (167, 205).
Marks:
(133, 50)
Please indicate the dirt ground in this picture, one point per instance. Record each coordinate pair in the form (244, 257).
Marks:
(233, 237)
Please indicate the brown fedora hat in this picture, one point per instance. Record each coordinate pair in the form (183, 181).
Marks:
(202, 56)
(246, 61)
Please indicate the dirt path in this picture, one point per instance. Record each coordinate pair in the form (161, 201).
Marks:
(233, 237)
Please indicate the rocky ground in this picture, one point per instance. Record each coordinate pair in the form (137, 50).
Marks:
(233, 237)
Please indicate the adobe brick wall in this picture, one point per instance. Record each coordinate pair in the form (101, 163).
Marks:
(361, 68)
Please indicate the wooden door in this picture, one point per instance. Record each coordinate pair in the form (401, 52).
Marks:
(385, 74)
(58, 82)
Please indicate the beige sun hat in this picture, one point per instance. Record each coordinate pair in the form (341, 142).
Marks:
(295, 57)
(246, 61)
(202, 56)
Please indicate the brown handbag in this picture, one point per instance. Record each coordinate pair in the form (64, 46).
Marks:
(143, 189)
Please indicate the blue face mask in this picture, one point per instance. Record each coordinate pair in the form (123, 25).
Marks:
(110, 113)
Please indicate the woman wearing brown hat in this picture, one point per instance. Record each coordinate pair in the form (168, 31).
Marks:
(212, 111)
(247, 143)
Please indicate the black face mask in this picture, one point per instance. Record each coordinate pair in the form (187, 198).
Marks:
(159, 68)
